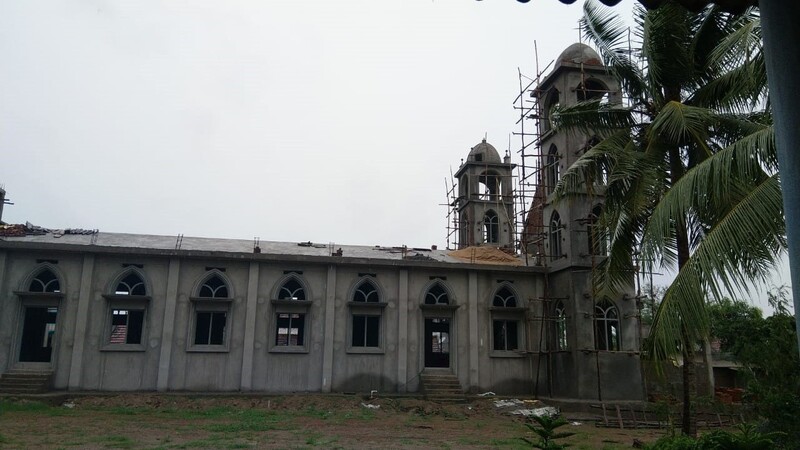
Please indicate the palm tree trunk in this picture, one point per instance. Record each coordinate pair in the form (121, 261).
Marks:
(689, 421)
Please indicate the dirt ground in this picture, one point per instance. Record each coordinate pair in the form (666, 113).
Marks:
(292, 421)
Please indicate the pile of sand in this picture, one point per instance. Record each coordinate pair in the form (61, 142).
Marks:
(486, 255)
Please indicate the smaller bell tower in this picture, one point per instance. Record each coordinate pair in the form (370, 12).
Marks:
(485, 202)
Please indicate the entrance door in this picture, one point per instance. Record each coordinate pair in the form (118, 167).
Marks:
(38, 329)
(437, 342)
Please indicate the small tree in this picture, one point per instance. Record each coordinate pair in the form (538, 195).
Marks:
(545, 428)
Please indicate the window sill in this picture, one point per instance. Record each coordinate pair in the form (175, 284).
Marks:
(366, 350)
(289, 349)
(208, 349)
(507, 354)
(123, 348)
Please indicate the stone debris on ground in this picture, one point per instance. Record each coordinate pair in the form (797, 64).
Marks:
(526, 408)
(370, 406)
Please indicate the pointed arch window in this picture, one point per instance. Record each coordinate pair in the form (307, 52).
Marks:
(550, 102)
(598, 238)
(213, 287)
(40, 299)
(507, 318)
(291, 316)
(491, 227)
(555, 236)
(212, 309)
(552, 168)
(366, 317)
(606, 326)
(127, 304)
(437, 295)
(560, 321)
(46, 282)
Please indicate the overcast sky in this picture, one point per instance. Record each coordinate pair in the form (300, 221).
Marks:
(330, 121)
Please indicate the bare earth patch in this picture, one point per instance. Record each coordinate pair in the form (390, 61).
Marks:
(292, 421)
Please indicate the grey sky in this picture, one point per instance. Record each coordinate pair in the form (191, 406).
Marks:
(289, 120)
(329, 121)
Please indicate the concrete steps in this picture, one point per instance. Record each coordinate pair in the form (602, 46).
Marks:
(20, 381)
(442, 386)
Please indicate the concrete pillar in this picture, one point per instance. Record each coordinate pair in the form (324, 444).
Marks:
(781, 35)
(330, 314)
(168, 330)
(474, 332)
(81, 322)
(402, 331)
(250, 328)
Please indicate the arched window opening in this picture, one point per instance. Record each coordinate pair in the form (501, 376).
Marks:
(552, 169)
(592, 90)
(606, 326)
(292, 290)
(555, 236)
(550, 102)
(506, 322)
(491, 227)
(437, 295)
(561, 326)
(598, 238)
(131, 284)
(366, 292)
(211, 311)
(489, 187)
(366, 316)
(45, 281)
(214, 287)
(504, 298)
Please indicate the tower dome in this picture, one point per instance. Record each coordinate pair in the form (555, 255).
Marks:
(577, 54)
(484, 152)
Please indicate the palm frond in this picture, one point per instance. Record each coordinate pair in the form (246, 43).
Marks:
(608, 32)
(591, 117)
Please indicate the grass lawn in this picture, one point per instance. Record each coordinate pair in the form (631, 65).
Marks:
(298, 421)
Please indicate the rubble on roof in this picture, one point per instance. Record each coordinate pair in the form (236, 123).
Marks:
(29, 229)
(486, 255)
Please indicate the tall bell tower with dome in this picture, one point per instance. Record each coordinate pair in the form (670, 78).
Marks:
(485, 202)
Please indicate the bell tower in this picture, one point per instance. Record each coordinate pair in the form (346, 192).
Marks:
(485, 203)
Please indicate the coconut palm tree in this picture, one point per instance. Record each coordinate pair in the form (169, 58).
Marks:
(692, 175)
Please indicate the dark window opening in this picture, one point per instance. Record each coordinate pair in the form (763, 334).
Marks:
(491, 227)
(366, 292)
(505, 335)
(366, 331)
(214, 287)
(478, 157)
(553, 171)
(292, 290)
(45, 281)
(504, 298)
(606, 326)
(592, 90)
(598, 238)
(561, 327)
(126, 326)
(437, 295)
(132, 284)
(555, 236)
(210, 328)
(290, 330)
